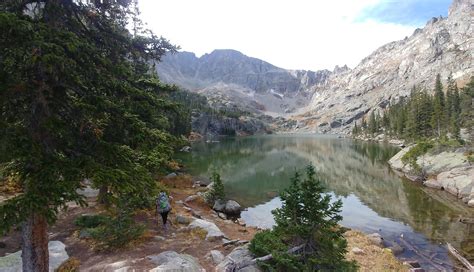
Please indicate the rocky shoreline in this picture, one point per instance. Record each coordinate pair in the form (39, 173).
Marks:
(449, 171)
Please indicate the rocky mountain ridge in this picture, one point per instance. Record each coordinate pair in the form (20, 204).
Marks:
(228, 76)
(331, 101)
(444, 46)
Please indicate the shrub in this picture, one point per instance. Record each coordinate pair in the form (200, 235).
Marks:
(412, 155)
(117, 232)
(90, 221)
(217, 190)
(307, 218)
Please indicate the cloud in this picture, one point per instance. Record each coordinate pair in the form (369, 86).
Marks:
(296, 34)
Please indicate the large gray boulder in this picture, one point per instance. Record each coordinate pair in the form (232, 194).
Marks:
(57, 255)
(238, 255)
(219, 205)
(213, 232)
(232, 208)
(170, 261)
(459, 182)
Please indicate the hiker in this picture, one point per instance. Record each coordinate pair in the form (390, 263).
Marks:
(163, 207)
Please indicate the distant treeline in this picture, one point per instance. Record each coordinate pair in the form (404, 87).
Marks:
(423, 115)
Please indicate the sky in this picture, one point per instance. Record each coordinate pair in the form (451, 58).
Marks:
(292, 34)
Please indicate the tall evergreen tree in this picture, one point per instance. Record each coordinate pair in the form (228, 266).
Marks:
(467, 109)
(78, 101)
(437, 120)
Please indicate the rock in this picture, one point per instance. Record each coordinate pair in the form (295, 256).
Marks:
(181, 219)
(171, 175)
(196, 214)
(241, 222)
(191, 198)
(170, 261)
(213, 232)
(3, 245)
(57, 255)
(458, 181)
(432, 183)
(413, 264)
(232, 208)
(219, 205)
(88, 191)
(238, 255)
(470, 203)
(222, 216)
(85, 234)
(185, 149)
(376, 239)
(357, 251)
(216, 256)
(396, 248)
(159, 238)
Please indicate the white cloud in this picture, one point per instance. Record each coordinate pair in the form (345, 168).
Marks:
(297, 34)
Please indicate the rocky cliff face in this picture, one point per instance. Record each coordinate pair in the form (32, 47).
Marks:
(330, 101)
(444, 46)
(231, 77)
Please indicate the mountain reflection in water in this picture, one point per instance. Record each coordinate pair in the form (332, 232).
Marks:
(255, 169)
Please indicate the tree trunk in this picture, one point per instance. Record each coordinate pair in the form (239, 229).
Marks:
(102, 198)
(35, 255)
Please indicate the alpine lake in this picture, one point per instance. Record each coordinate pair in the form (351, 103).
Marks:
(375, 199)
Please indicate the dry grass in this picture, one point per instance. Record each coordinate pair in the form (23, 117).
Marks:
(70, 265)
(373, 257)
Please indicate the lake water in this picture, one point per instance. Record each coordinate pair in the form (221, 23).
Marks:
(255, 169)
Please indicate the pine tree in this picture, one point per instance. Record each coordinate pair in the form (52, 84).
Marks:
(467, 109)
(78, 100)
(372, 123)
(217, 190)
(355, 129)
(307, 218)
(437, 119)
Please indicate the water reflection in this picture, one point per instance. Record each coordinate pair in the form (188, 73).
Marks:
(255, 169)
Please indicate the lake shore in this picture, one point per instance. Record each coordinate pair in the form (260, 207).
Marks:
(181, 238)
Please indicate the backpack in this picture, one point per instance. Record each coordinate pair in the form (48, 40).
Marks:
(162, 203)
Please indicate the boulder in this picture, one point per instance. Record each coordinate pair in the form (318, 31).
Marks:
(432, 183)
(181, 219)
(219, 205)
(57, 255)
(171, 261)
(238, 255)
(88, 191)
(458, 181)
(470, 203)
(376, 239)
(396, 248)
(232, 208)
(191, 198)
(216, 256)
(213, 232)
